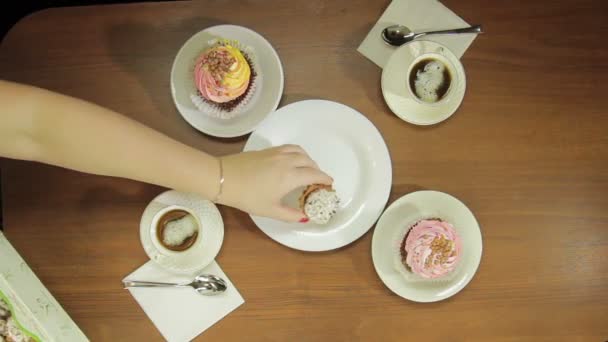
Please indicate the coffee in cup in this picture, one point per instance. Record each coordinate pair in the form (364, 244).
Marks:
(430, 78)
(177, 229)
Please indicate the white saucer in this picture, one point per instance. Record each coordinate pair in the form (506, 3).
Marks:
(265, 100)
(399, 98)
(347, 146)
(406, 211)
(207, 245)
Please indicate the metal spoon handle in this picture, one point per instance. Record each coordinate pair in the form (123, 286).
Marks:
(472, 29)
(151, 284)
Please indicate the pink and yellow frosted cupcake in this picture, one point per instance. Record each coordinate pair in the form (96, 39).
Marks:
(430, 249)
(225, 79)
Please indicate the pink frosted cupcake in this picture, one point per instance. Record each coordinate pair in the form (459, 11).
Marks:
(431, 249)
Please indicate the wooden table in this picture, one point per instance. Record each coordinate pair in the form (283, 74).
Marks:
(527, 151)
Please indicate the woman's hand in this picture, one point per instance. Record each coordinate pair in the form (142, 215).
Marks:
(256, 181)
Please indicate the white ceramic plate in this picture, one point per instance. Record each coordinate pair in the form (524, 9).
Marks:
(406, 211)
(207, 245)
(347, 146)
(399, 97)
(265, 100)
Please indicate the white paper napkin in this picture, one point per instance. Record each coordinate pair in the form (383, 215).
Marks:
(180, 314)
(419, 16)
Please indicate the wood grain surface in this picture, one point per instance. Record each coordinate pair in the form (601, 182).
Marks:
(527, 151)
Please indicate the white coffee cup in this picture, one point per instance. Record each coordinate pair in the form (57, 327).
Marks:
(398, 93)
(204, 249)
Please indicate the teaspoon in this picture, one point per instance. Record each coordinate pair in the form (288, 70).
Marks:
(397, 35)
(204, 284)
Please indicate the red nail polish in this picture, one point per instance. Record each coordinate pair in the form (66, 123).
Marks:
(304, 220)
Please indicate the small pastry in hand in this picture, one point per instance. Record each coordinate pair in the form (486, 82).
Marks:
(319, 202)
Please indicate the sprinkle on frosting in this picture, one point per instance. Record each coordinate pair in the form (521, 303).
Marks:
(222, 73)
(431, 248)
(319, 202)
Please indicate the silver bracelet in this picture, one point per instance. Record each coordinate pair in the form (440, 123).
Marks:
(219, 193)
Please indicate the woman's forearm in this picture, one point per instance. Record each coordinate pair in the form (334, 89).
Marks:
(51, 128)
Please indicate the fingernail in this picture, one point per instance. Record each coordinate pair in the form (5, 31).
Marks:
(304, 220)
